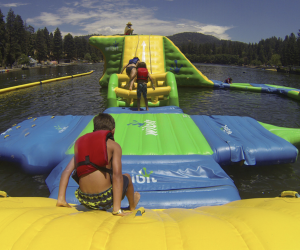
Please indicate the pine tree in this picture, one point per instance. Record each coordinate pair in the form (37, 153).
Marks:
(30, 40)
(69, 46)
(292, 50)
(2, 39)
(284, 52)
(11, 39)
(57, 45)
(51, 46)
(77, 42)
(298, 47)
(41, 47)
(47, 42)
(20, 37)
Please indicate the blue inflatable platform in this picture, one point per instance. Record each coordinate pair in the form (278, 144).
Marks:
(39, 144)
(43, 145)
(243, 139)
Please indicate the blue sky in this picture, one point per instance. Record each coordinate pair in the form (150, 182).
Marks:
(236, 20)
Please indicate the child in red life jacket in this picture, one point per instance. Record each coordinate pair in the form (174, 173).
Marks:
(142, 79)
(98, 166)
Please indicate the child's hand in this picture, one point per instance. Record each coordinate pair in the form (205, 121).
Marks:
(153, 88)
(62, 204)
(130, 88)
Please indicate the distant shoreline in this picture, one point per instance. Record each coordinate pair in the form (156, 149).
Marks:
(43, 66)
(281, 70)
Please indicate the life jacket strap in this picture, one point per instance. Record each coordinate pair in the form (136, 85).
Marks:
(88, 162)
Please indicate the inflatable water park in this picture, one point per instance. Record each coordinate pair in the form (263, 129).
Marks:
(175, 160)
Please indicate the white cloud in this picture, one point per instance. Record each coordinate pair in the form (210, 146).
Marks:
(11, 5)
(64, 16)
(217, 31)
(108, 17)
(45, 19)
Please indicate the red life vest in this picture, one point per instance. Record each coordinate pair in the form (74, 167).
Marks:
(91, 152)
(142, 74)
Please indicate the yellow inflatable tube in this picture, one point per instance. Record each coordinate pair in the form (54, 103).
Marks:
(42, 82)
(125, 93)
(36, 223)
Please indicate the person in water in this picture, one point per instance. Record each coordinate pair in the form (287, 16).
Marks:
(98, 166)
(131, 70)
(142, 79)
(228, 80)
(128, 30)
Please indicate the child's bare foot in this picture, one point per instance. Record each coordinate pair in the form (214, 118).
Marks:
(137, 197)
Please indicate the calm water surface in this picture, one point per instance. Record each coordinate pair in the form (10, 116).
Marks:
(83, 96)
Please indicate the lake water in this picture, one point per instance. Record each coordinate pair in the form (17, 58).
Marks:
(83, 96)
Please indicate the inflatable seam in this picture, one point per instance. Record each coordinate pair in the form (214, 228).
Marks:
(230, 220)
(111, 219)
(169, 231)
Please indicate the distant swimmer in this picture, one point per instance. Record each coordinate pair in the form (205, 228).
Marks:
(128, 30)
(228, 80)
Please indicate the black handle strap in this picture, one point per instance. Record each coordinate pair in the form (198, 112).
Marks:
(88, 162)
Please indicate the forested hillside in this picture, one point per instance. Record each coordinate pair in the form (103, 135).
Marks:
(18, 41)
(272, 51)
(194, 38)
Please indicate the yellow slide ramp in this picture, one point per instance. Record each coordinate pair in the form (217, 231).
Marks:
(159, 53)
(148, 49)
(255, 224)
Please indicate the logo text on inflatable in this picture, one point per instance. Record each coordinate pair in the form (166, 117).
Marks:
(226, 129)
(114, 47)
(148, 125)
(143, 177)
(60, 130)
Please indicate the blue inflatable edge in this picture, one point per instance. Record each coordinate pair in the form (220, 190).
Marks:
(243, 139)
(174, 181)
(152, 110)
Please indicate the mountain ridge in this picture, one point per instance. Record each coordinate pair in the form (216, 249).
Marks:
(193, 37)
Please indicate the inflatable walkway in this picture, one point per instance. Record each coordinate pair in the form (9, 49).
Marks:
(36, 223)
(263, 88)
(174, 159)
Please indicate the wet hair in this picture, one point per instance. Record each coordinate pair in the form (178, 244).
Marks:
(142, 65)
(104, 122)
